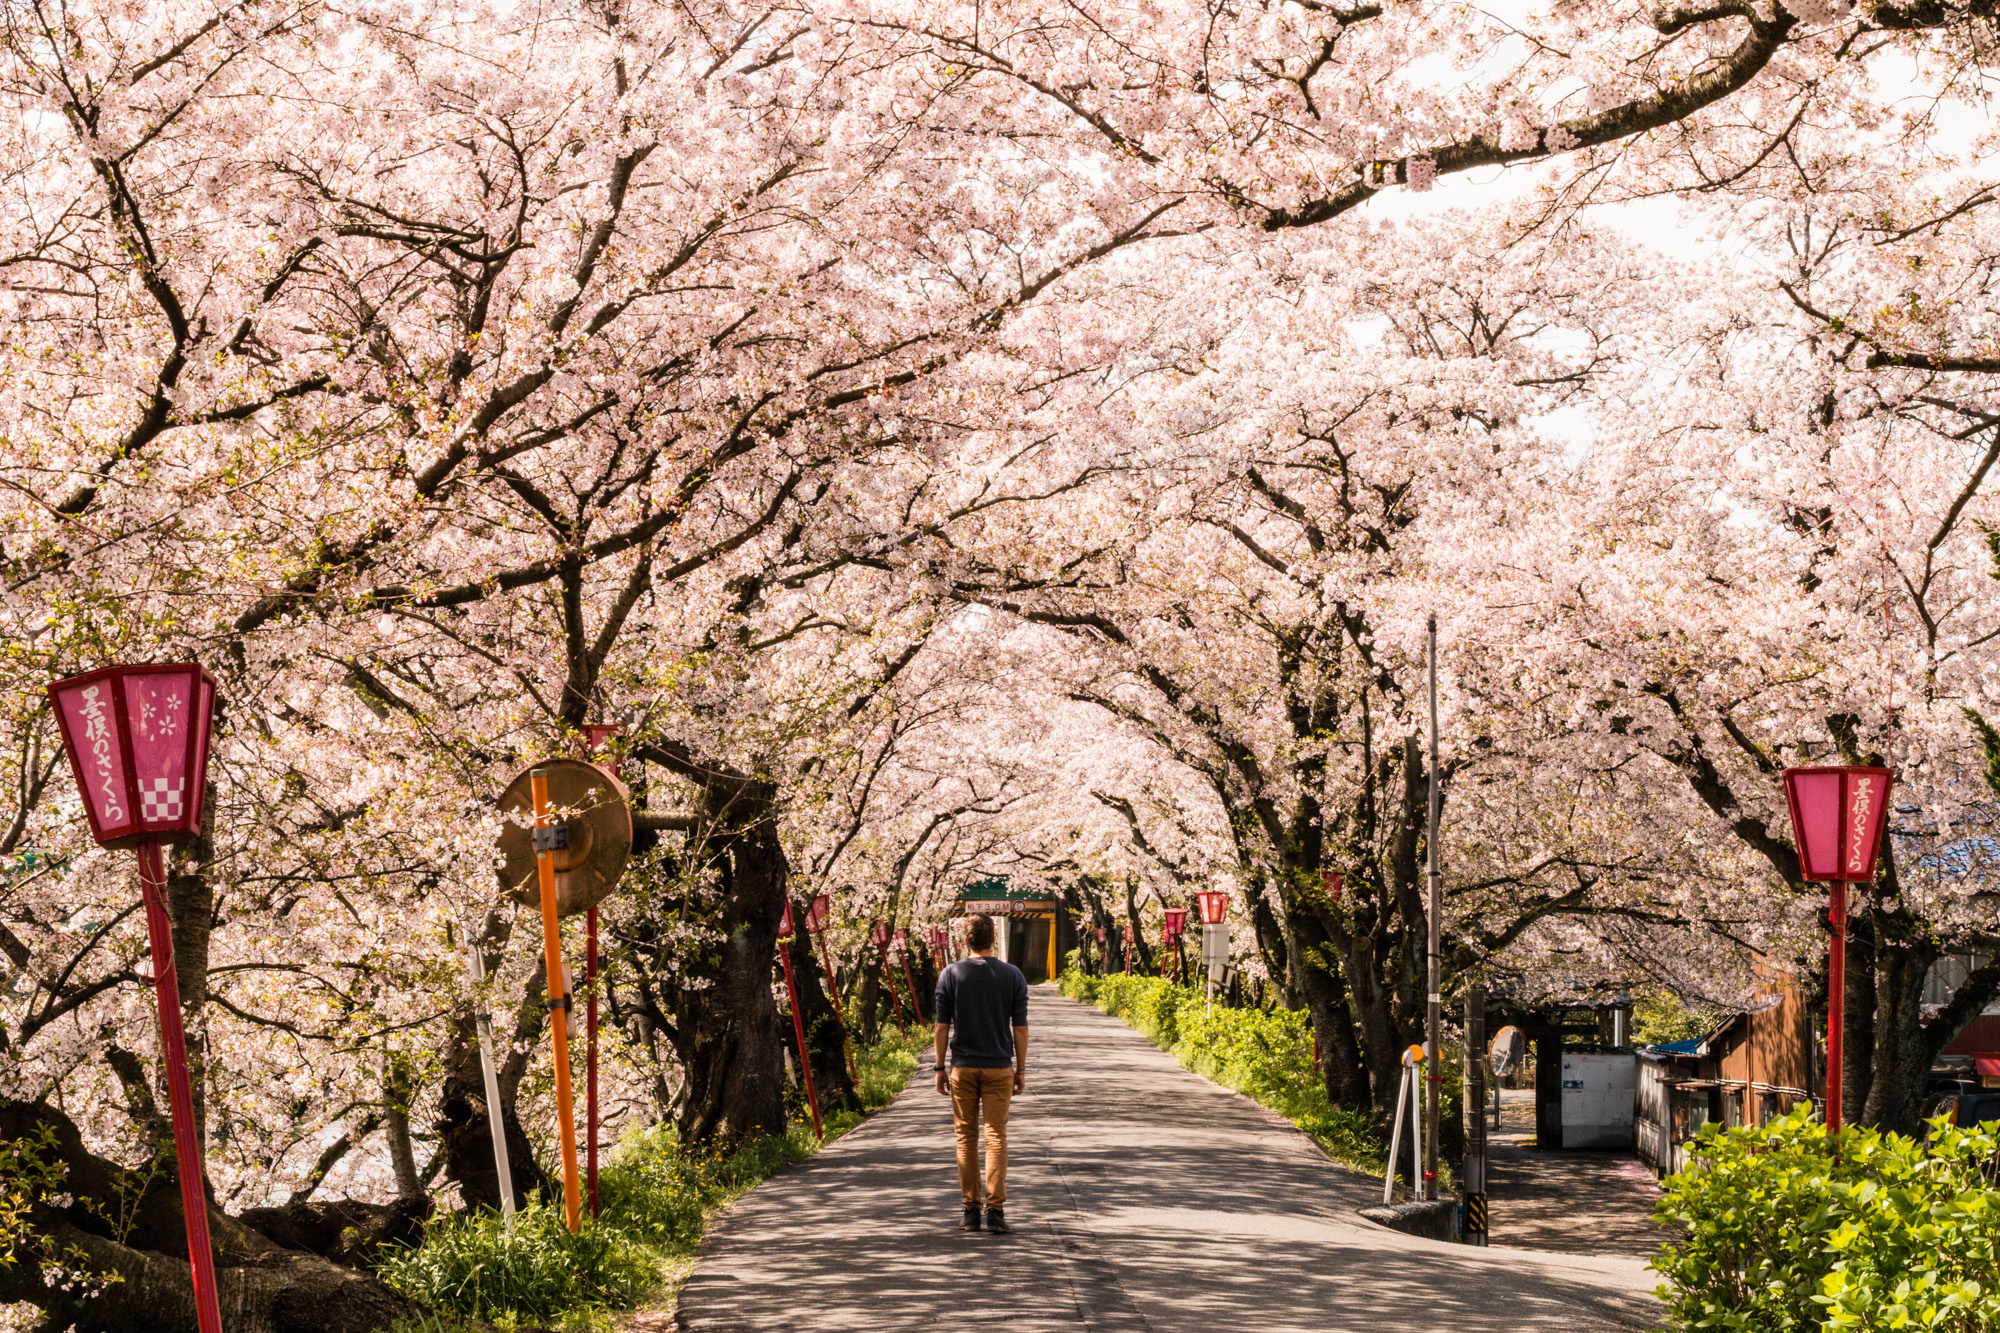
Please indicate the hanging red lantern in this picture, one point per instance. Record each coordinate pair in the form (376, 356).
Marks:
(137, 740)
(1214, 907)
(1837, 819)
(1333, 882)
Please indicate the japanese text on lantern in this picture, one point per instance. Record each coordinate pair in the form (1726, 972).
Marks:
(97, 734)
(1857, 825)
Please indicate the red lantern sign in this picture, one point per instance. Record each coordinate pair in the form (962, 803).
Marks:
(1837, 818)
(785, 927)
(1100, 934)
(1176, 922)
(817, 913)
(1333, 882)
(1214, 907)
(878, 931)
(137, 740)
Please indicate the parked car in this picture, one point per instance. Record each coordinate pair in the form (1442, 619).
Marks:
(1966, 1105)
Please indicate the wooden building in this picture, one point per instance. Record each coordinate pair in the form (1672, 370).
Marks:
(1753, 1067)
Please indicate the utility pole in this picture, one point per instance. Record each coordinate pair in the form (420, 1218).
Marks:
(1434, 1026)
(1473, 1183)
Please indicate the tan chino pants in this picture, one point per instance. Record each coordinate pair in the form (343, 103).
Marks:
(976, 1093)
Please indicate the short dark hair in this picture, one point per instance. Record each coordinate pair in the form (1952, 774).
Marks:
(979, 932)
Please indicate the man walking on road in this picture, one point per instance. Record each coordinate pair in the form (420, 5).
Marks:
(982, 1064)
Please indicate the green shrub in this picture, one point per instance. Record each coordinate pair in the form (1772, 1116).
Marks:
(655, 1197)
(1264, 1054)
(532, 1270)
(885, 1067)
(1786, 1228)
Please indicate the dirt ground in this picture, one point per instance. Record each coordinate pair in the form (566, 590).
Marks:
(1573, 1202)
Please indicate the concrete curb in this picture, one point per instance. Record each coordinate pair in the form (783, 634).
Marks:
(1431, 1219)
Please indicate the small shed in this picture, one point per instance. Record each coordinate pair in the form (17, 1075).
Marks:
(1597, 1099)
(1751, 1068)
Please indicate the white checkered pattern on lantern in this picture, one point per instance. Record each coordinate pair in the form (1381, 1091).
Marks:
(159, 799)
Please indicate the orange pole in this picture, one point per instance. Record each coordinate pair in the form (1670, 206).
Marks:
(545, 867)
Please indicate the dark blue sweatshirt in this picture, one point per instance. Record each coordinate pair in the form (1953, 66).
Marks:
(984, 1000)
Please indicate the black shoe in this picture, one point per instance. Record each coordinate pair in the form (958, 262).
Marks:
(996, 1222)
(971, 1222)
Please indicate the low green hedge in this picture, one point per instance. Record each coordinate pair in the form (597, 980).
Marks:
(1788, 1228)
(1264, 1054)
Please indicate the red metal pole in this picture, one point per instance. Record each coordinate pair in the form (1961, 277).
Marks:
(799, 1031)
(180, 1094)
(834, 990)
(590, 1057)
(1836, 1001)
(915, 1003)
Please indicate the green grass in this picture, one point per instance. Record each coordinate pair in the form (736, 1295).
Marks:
(1264, 1054)
(656, 1197)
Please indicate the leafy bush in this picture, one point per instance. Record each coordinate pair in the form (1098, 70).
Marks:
(655, 1197)
(1787, 1228)
(532, 1270)
(1264, 1054)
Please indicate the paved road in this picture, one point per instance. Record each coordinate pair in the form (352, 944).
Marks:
(1143, 1198)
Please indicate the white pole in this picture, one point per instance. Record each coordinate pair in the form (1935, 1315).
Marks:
(1396, 1133)
(475, 967)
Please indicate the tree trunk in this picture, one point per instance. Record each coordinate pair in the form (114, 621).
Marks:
(1142, 953)
(727, 1032)
(262, 1287)
(191, 910)
(1903, 955)
(826, 1037)
(464, 1136)
(1326, 1000)
(398, 1090)
(1271, 944)
(1857, 1063)
(1370, 1004)
(868, 994)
